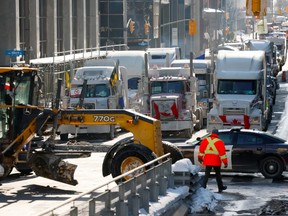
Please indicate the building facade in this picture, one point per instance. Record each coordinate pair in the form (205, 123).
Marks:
(46, 28)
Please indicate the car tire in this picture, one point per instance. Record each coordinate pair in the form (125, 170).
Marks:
(130, 157)
(175, 153)
(271, 167)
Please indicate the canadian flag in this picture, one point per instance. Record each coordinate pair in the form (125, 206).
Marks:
(236, 120)
(158, 112)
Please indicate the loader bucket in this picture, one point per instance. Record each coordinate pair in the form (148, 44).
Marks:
(49, 165)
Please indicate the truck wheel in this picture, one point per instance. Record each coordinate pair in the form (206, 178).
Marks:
(271, 167)
(64, 137)
(187, 133)
(175, 153)
(128, 158)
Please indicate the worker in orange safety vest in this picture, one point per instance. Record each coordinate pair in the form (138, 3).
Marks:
(212, 153)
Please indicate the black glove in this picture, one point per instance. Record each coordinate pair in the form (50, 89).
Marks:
(200, 161)
(225, 165)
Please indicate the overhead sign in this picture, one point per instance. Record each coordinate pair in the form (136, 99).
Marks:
(14, 52)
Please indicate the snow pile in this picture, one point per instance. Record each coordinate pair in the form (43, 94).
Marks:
(185, 165)
(202, 201)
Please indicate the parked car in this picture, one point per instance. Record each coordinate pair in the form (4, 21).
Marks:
(248, 151)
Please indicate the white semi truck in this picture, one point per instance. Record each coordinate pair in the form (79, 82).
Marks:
(240, 94)
(172, 99)
(136, 64)
(106, 89)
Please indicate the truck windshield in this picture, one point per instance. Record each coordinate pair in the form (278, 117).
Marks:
(244, 87)
(159, 87)
(98, 90)
(133, 83)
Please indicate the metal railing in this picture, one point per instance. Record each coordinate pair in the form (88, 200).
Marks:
(153, 180)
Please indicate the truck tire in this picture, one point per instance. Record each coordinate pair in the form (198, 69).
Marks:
(128, 158)
(271, 167)
(24, 169)
(175, 153)
(63, 137)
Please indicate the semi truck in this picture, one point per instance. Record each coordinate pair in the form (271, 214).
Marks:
(240, 91)
(22, 119)
(162, 57)
(106, 89)
(203, 72)
(171, 97)
(136, 64)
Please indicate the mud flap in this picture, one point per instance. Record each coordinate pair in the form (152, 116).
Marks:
(49, 165)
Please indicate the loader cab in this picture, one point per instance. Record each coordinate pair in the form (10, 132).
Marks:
(17, 89)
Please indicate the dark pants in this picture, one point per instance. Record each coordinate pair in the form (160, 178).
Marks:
(217, 170)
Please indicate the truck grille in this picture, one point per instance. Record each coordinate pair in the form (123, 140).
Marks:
(165, 110)
(233, 111)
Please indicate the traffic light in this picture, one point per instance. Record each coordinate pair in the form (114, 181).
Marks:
(146, 27)
(132, 26)
(256, 8)
(192, 27)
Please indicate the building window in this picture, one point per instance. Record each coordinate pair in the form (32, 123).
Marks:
(60, 44)
(43, 27)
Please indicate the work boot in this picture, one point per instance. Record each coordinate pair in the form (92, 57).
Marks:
(224, 187)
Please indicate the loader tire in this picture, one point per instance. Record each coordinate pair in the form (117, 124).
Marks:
(175, 153)
(128, 158)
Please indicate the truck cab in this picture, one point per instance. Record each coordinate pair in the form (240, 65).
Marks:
(240, 97)
(106, 89)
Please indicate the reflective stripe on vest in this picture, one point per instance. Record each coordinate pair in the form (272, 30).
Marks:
(211, 149)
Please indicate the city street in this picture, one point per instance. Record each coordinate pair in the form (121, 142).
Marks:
(247, 194)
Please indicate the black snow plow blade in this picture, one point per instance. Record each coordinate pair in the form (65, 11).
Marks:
(50, 165)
